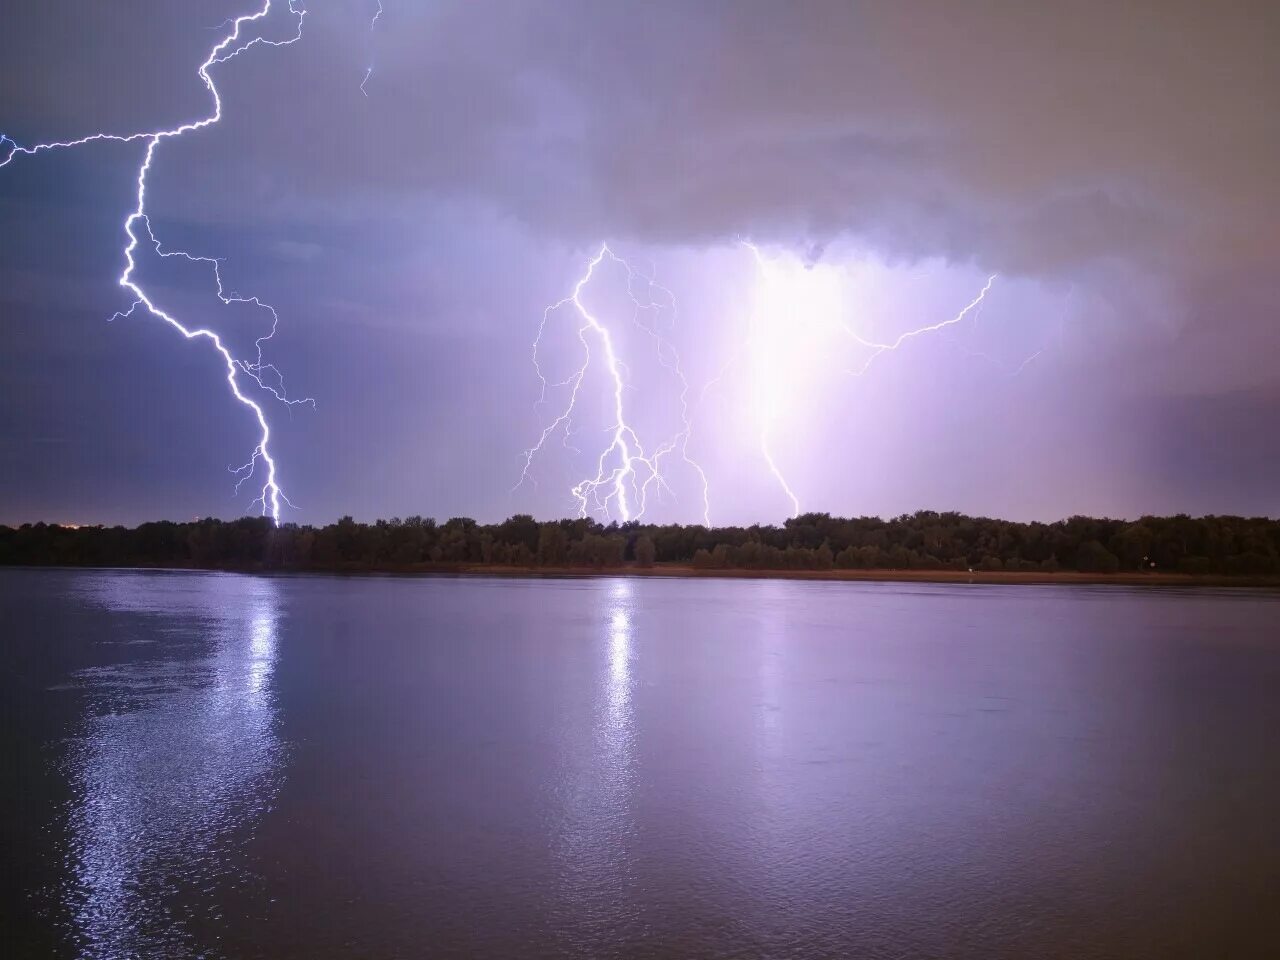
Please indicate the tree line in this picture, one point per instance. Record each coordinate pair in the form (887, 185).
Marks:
(1220, 545)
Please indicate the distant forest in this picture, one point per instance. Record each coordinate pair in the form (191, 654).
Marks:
(814, 541)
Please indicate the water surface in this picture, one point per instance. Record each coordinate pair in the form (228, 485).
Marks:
(215, 765)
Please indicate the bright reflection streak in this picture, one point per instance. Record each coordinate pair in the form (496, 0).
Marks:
(596, 837)
(772, 806)
(177, 760)
(262, 650)
(771, 644)
(619, 689)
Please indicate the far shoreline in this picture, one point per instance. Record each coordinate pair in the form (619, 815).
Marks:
(1011, 577)
(686, 571)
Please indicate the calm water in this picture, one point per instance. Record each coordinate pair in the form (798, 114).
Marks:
(210, 765)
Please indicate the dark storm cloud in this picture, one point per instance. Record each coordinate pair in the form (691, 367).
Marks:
(1110, 144)
(1029, 136)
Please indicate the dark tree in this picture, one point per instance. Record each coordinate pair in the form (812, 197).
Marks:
(1225, 546)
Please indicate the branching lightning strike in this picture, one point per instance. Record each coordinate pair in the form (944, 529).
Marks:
(625, 475)
(264, 375)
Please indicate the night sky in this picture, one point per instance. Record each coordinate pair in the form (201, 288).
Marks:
(1114, 164)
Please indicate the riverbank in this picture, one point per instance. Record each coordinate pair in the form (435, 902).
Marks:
(868, 576)
(1006, 577)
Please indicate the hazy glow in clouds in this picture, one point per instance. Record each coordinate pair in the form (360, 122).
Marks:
(797, 309)
(802, 323)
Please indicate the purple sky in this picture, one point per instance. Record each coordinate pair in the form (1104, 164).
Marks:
(1113, 164)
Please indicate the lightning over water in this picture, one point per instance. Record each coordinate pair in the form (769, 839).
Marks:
(792, 302)
(137, 228)
(625, 475)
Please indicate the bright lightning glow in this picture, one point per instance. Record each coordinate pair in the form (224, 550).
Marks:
(789, 300)
(229, 47)
(792, 298)
(796, 321)
(624, 474)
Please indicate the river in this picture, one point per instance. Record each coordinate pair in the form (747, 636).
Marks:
(221, 765)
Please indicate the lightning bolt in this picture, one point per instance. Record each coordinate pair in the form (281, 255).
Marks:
(264, 375)
(1035, 354)
(879, 348)
(625, 475)
(369, 70)
(787, 308)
